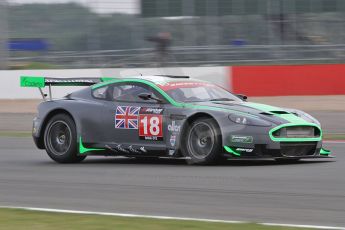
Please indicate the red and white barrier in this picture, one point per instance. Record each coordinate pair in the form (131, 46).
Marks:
(278, 80)
(288, 80)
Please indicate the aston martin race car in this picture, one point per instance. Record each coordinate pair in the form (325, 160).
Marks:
(167, 116)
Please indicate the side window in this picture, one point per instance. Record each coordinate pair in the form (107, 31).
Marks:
(100, 93)
(127, 92)
(130, 92)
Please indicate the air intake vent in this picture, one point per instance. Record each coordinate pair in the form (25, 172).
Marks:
(296, 149)
(297, 132)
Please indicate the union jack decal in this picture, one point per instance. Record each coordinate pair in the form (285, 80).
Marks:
(126, 117)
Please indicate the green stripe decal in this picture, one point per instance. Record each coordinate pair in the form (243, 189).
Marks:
(83, 149)
(292, 118)
(230, 150)
(263, 107)
(289, 117)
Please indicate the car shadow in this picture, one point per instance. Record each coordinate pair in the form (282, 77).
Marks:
(181, 162)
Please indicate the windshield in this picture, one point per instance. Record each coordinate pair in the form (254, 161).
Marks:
(197, 92)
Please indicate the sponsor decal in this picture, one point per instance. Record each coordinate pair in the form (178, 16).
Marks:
(151, 124)
(133, 150)
(242, 139)
(151, 111)
(121, 149)
(173, 140)
(171, 152)
(32, 82)
(173, 127)
(244, 150)
(142, 149)
(126, 117)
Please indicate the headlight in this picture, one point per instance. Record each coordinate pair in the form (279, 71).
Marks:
(246, 120)
(306, 116)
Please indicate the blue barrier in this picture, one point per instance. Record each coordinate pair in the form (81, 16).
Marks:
(28, 45)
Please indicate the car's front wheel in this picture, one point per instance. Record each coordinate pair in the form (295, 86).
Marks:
(202, 142)
(60, 139)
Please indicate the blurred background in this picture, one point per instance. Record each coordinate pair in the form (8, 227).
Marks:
(43, 34)
(285, 53)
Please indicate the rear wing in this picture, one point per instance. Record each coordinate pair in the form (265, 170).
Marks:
(41, 82)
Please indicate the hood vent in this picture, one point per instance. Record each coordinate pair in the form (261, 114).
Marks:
(279, 112)
(265, 113)
(270, 113)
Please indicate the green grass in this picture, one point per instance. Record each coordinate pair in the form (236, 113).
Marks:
(15, 219)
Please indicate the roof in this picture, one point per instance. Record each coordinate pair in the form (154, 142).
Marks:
(162, 80)
(156, 79)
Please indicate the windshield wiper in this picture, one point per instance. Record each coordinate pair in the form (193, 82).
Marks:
(222, 99)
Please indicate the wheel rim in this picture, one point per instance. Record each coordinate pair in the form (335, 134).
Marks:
(59, 138)
(201, 140)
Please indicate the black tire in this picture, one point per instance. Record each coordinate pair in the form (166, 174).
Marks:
(202, 144)
(60, 140)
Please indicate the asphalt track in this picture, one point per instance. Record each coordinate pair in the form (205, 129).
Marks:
(309, 192)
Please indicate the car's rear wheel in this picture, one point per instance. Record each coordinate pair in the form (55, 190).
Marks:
(60, 139)
(202, 142)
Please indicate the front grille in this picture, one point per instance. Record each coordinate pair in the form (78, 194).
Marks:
(297, 149)
(297, 132)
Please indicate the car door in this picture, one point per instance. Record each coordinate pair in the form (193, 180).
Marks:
(133, 123)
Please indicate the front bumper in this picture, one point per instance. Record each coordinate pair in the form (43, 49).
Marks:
(256, 142)
(288, 150)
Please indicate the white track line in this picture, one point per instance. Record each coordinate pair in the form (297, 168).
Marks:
(168, 217)
(303, 226)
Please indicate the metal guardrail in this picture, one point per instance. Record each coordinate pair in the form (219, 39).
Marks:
(190, 55)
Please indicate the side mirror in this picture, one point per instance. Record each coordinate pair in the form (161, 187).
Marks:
(145, 96)
(242, 97)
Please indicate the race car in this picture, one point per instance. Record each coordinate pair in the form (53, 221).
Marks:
(167, 116)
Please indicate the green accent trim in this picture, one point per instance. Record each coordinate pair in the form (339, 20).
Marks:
(287, 139)
(325, 151)
(83, 149)
(263, 107)
(29, 81)
(292, 118)
(230, 150)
